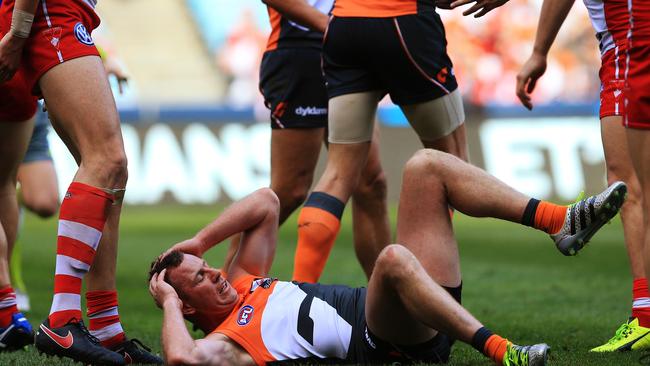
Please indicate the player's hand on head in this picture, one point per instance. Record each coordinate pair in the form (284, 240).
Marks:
(480, 7)
(190, 246)
(527, 78)
(161, 291)
(11, 50)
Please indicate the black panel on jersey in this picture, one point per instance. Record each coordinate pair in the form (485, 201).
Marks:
(404, 56)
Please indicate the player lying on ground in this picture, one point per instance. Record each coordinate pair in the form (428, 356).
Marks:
(251, 318)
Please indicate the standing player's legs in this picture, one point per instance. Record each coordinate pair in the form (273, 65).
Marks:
(81, 103)
(405, 307)
(319, 220)
(371, 227)
(15, 331)
(619, 168)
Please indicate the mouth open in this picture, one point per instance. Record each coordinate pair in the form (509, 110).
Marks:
(223, 288)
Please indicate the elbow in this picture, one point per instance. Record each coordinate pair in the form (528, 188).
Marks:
(180, 360)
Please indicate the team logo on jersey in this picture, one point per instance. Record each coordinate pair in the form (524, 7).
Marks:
(82, 34)
(53, 35)
(245, 315)
(262, 282)
(442, 75)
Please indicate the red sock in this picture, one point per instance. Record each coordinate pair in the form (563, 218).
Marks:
(103, 318)
(549, 217)
(81, 221)
(495, 348)
(7, 306)
(641, 302)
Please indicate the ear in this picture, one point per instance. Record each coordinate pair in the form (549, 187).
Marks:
(188, 309)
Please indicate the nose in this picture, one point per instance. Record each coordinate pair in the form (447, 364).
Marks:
(215, 274)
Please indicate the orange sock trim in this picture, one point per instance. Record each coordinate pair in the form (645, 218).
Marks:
(317, 230)
(495, 348)
(549, 217)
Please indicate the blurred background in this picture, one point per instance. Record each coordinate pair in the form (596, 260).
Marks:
(197, 131)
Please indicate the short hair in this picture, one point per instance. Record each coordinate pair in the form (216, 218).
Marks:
(172, 260)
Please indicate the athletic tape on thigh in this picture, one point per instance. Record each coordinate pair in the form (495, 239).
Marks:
(352, 117)
(436, 118)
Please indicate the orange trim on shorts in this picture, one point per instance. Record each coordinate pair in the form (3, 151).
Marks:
(374, 8)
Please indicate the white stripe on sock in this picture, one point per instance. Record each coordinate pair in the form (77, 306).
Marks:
(642, 302)
(102, 314)
(78, 231)
(7, 302)
(64, 301)
(69, 266)
(108, 332)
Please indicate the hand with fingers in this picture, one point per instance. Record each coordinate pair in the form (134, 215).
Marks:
(163, 292)
(527, 78)
(480, 8)
(11, 50)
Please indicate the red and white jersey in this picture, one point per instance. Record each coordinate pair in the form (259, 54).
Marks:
(618, 21)
(286, 33)
(277, 320)
(91, 3)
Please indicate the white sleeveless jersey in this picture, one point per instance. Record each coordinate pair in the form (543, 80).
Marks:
(277, 321)
(610, 20)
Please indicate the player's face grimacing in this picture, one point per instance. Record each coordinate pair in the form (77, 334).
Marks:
(202, 287)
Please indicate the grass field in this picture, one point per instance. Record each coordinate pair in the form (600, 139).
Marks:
(514, 281)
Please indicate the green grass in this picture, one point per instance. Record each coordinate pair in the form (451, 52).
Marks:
(514, 281)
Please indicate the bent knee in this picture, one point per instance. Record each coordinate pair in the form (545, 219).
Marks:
(426, 161)
(393, 261)
(44, 207)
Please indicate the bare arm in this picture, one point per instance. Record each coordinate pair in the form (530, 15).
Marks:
(551, 18)
(300, 12)
(256, 217)
(11, 45)
(178, 345)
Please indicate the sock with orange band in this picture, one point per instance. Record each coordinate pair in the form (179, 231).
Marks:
(318, 224)
(544, 216)
(490, 344)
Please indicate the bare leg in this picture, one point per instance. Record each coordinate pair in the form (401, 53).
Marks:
(39, 188)
(405, 306)
(619, 167)
(14, 138)
(369, 210)
(294, 154)
(639, 144)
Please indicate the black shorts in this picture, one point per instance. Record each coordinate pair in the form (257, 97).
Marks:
(366, 348)
(404, 56)
(293, 87)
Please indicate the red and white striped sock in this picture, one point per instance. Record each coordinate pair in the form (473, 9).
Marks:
(103, 318)
(641, 301)
(81, 221)
(7, 306)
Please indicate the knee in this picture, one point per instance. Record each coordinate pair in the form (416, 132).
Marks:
(372, 187)
(44, 205)
(393, 263)
(114, 168)
(426, 162)
(291, 197)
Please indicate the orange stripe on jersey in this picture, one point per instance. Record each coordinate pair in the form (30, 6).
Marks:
(374, 8)
(244, 324)
(275, 19)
